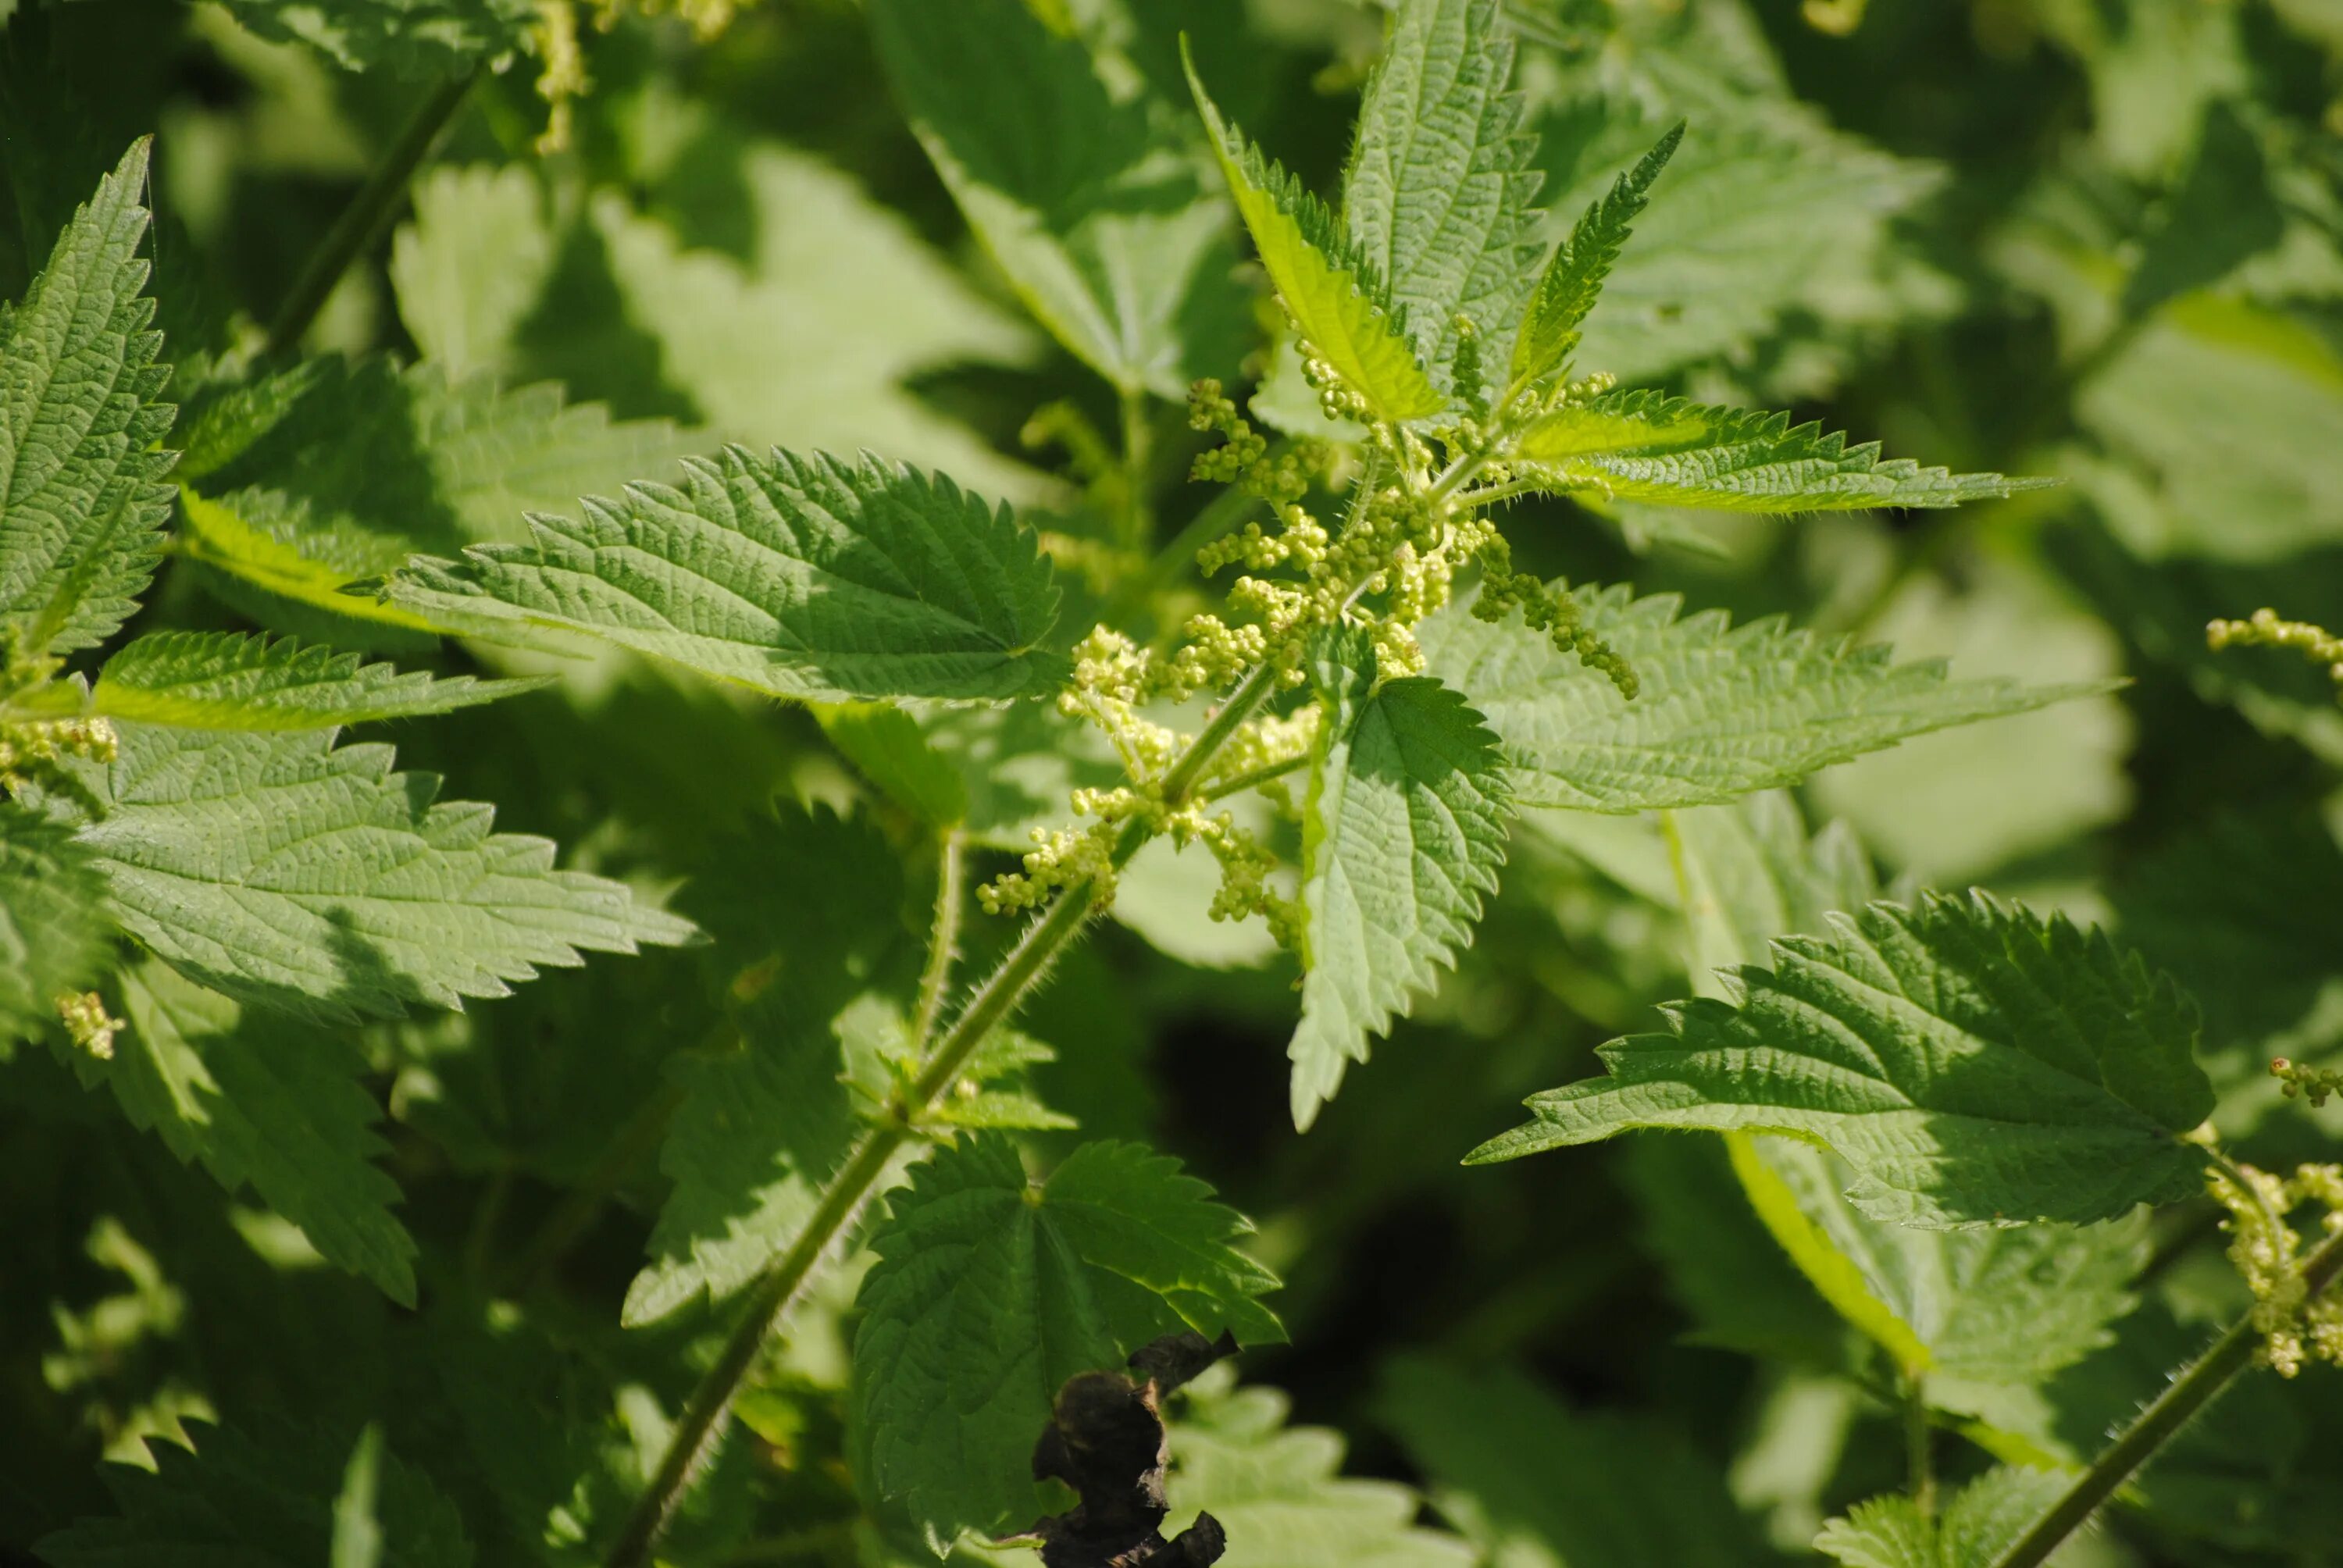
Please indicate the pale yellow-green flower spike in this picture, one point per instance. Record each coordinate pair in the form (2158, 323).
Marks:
(562, 79)
(2262, 629)
(2266, 1247)
(88, 1023)
(2312, 1083)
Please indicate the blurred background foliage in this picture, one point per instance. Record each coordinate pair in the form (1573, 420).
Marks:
(2097, 240)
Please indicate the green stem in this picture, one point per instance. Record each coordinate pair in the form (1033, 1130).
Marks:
(1138, 467)
(847, 1193)
(368, 214)
(1476, 499)
(1251, 778)
(1219, 516)
(943, 943)
(1918, 1440)
(771, 1295)
(2156, 1426)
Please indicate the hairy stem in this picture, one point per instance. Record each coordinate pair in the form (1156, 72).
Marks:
(2156, 1426)
(856, 1182)
(943, 943)
(369, 212)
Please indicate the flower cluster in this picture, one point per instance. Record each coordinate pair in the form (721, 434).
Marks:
(2312, 1083)
(2264, 629)
(562, 79)
(2294, 1325)
(1411, 521)
(32, 745)
(31, 749)
(88, 1023)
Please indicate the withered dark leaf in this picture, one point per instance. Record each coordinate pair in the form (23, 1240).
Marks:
(1106, 1440)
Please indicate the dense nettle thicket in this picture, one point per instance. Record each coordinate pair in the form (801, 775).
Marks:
(999, 740)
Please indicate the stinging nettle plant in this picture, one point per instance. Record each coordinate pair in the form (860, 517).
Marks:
(1950, 1112)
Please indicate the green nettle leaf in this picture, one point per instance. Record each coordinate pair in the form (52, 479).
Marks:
(1724, 1268)
(990, 1291)
(1401, 834)
(337, 472)
(81, 504)
(1337, 302)
(288, 872)
(52, 922)
(226, 680)
(1437, 196)
(1528, 1480)
(469, 268)
(1982, 1520)
(270, 555)
(1973, 1311)
(2001, 1308)
(1724, 711)
(1974, 1063)
(413, 38)
(801, 576)
(357, 1529)
(762, 1125)
(836, 288)
(1573, 279)
(1644, 445)
(1769, 221)
(1750, 875)
(260, 1504)
(890, 749)
(1094, 208)
(2223, 212)
(1279, 1492)
(264, 1103)
(2198, 905)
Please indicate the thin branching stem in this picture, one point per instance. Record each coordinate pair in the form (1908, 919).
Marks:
(2162, 1421)
(369, 212)
(847, 1193)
